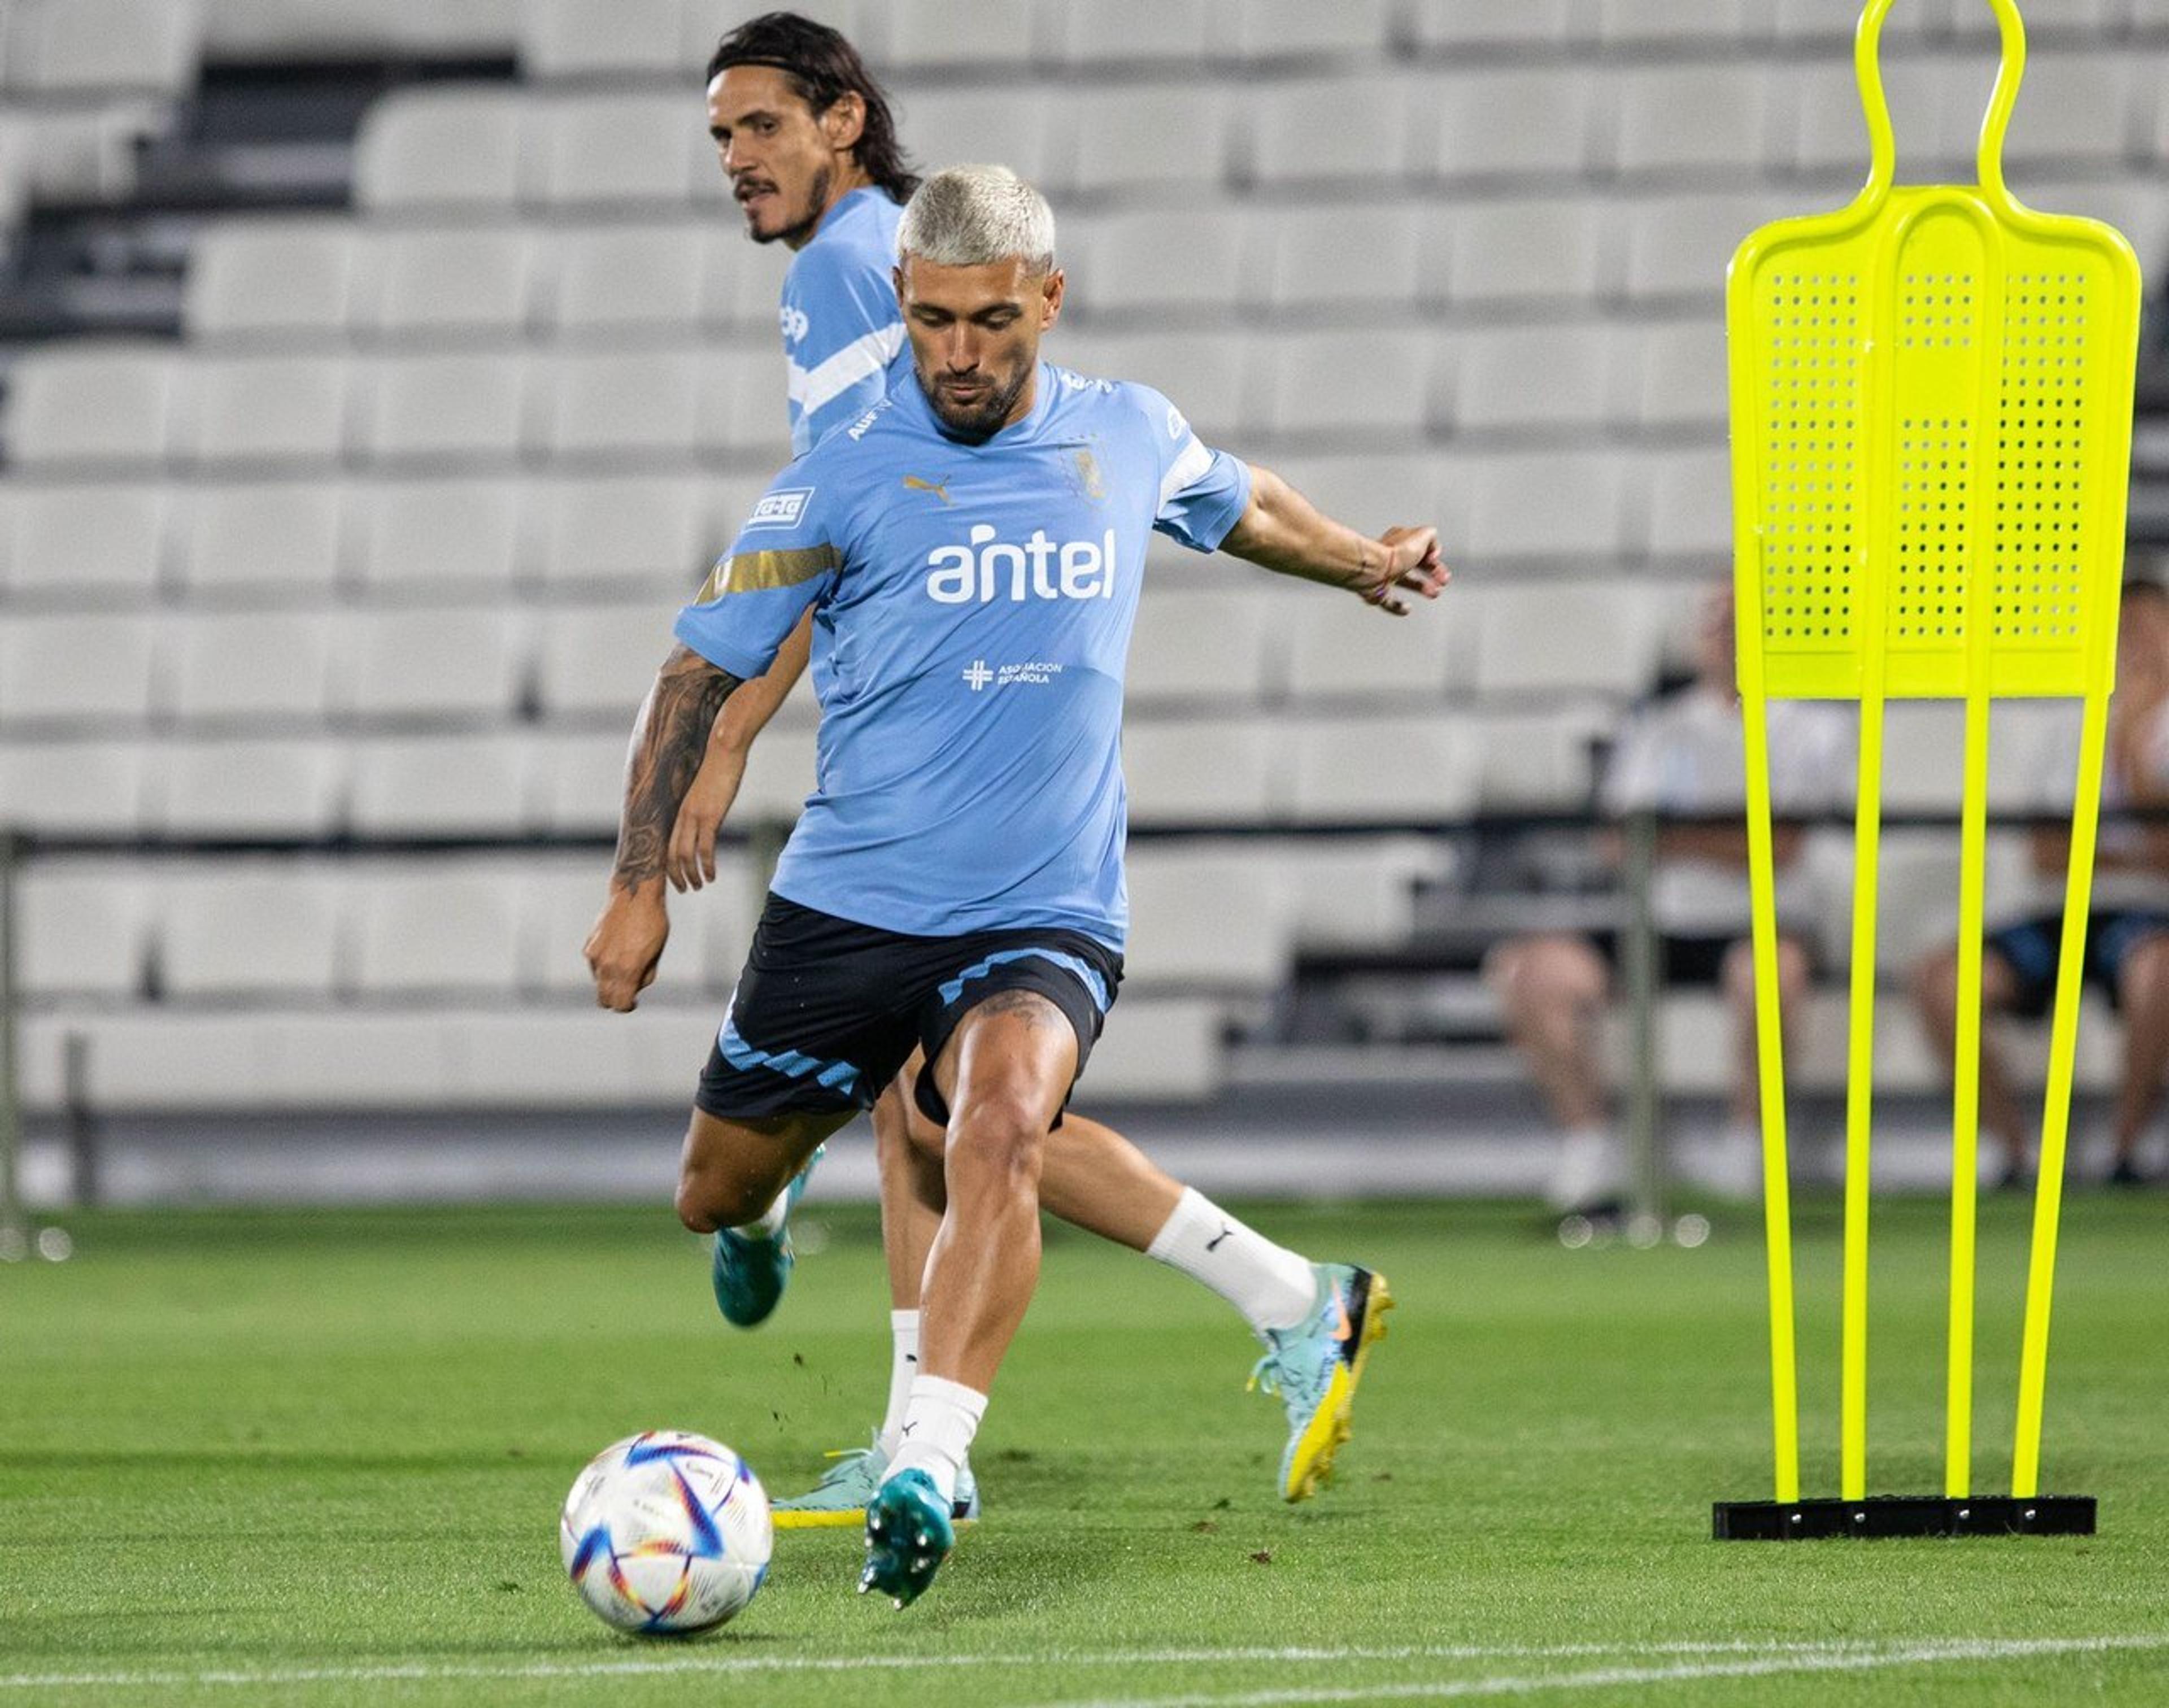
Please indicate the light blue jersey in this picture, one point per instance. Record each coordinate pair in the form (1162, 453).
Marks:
(973, 607)
(842, 329)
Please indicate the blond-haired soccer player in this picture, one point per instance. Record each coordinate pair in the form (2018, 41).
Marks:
(955, 883)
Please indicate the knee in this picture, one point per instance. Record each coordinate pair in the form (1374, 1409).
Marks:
(1546, 974)
(2147, 976)
(1934, 982)
(899, 1128)
(1000, 1136)
(709, 1197)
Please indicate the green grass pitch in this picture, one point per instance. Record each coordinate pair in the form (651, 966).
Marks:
(250, 1459)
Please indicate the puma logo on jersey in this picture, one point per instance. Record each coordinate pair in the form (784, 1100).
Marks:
(939, 489)
(990, 569)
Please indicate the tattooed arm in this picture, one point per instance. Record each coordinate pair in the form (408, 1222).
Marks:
(669, 739)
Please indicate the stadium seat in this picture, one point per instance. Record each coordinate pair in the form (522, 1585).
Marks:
(1287, 266)
(943, 127)
(429, 410)
(104, 402)
(1923, 748)
(1542, 376)
(1160, 258)
(636, 530)
(282, 535)
(441, 145)
(439, 785)
(1139, 138)
(1538, 762)
(575, 39)
(1169, 34)
(287, 412)
(1683, 21)
(1974, 21)
(261, 279)
(1555, 504)
(1361, 127)
(1675, 117)
(436, 536)
(82, 928)
(254, 30)
(956, 32)
(1219, 647)
(1358, 891)
(1689, 496)
(433, 663)
(1516, 252)
(249, 664)
(1339, 649)
(1208, 376)
(1671, 376)
(577, 781)
(420, 280)
(63, 786)
(448, 926)
(1412, 766)
(601, 658)
(1453, 24)
(658, 273)
(1513, 124)
(561, 894)
(78, 47)
(1678, 246)
(1160, 1050)
(621, 150)
(1554, 638)
(1205, 916)
(1199, 770)
(266, 928)
(2073, 110)
(779, 777)
(1375, 382)
(103, 539)
(638, 405)
(61, 669)
(219, 786)
(1367, 492)
(1258, 29)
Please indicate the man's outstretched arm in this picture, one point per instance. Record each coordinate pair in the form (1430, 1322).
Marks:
(668, 738)
(690, 860)
(1281, 530)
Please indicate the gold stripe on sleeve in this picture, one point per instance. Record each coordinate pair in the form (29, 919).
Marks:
(755, 571)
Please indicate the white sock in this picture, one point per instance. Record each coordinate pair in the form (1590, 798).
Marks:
(1272, 1286)
(771, 1222)
(904, 1367)
(938, 1428)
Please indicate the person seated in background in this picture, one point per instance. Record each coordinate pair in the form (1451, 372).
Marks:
(2127, 953)
(1681, 753)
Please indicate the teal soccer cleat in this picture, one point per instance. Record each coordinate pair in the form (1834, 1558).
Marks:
(1314, 1368)
(909, 1535)
(843, 1495)
(750, 1273)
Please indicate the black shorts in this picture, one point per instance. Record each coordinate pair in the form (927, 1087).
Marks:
(1682, 960)
(2031, 947)
(827, 1010)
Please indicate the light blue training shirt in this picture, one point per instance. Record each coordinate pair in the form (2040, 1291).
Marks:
(972, 606)
(843, 332)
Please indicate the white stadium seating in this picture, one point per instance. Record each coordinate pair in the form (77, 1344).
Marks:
(106, 538)
(274, 536)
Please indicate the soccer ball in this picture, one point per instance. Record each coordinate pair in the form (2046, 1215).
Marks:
(666, 1534)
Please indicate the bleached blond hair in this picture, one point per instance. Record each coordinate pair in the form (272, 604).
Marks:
(970, 216)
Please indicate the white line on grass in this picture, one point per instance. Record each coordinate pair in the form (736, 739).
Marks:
(1834, 1660)
(1751, 1659)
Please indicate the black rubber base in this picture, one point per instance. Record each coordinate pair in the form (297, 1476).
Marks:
(1902, 1515)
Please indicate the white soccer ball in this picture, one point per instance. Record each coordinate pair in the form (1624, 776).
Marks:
(666, 1533)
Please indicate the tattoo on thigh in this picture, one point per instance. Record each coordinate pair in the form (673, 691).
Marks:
(1027, 1005)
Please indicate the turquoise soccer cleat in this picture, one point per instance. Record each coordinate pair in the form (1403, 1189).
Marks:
(1314, 1368)
(843, 1493)
(909, 1535)
(750, 1273)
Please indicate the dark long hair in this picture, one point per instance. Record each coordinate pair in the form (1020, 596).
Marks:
(822, 67)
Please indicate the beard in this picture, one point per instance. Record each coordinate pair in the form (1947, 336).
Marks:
(795, 234)
(983, 417)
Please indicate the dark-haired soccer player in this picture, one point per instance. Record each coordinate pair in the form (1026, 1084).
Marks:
(807, 137)
(971, 550)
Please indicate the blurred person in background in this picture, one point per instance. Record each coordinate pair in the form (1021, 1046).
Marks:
(2127, 952)
(1681, 755)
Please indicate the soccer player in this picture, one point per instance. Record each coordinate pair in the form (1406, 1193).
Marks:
(806, 136)
(971, 550)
